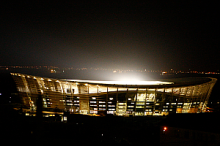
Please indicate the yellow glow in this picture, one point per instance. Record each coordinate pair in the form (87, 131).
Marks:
(124, 82)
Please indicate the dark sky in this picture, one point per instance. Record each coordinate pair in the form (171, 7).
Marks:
(177, 35)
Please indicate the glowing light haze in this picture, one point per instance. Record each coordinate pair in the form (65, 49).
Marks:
(122, 82)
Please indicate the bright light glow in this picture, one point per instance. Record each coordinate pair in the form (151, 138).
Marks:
(164, 128)
(127, 82)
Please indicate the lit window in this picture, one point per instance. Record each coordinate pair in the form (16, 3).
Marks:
(64, 118)
(121, 107)
(139, 106)
(121, 104)
(111, 98)
(110, 112)
(131, 106)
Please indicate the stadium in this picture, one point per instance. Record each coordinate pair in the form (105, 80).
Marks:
(119, 98)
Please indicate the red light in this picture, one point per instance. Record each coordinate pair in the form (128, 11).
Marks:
(164, 128)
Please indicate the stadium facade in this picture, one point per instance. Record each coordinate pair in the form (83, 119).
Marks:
(152, 98)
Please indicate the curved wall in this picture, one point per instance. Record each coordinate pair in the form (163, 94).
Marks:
(91, 98)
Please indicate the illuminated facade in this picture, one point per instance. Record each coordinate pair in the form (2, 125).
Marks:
(153, 98)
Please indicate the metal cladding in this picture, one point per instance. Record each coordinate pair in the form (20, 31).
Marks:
(186, 95)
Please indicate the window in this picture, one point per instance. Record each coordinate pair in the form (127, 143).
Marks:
(69, 104)
(110, 112)
(139, 106)
(131, 106)
(121, 104)
(148, 106)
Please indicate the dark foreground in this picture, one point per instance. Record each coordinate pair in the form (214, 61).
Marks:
(183, 129)
(82, 130)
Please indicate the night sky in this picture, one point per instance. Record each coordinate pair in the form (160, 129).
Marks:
(178, 35)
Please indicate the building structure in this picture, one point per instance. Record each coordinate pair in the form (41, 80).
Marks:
(143, 98)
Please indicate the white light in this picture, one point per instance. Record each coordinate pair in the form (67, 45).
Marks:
(127, 82)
